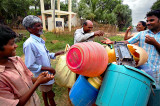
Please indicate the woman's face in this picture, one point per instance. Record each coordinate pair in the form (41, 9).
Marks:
(140, 27)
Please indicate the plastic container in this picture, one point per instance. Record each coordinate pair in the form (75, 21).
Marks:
(154, 100)
(124, 86)
(95, 81)
(87, 58)
(83, 93)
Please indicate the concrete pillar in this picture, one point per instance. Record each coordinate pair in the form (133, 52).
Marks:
(69, 5)
(52, 4)
(58, 7)
(43, 15)
(69, 16)
(53, 13)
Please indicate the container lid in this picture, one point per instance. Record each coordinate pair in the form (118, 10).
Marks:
(74, 58)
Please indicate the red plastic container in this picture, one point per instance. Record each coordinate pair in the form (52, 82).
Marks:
(87, 58)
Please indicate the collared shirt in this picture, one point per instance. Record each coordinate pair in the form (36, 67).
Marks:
(80, 36)
(16, 82)
(153, 55)
(37, 55)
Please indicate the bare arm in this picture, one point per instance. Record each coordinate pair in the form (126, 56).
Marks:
(50, 69)
(108, 41)
(59, 53)
(126, 34)
(79, 37)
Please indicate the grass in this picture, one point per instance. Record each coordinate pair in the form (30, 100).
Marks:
(61, 93)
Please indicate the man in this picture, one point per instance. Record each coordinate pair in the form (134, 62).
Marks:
(84, 34)
(37, 57)
(149, 40)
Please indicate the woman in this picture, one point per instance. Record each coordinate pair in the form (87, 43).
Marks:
(141, 26)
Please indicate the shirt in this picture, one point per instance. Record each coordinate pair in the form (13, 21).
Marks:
(37, 55)
(80, 36)
(16, 82)
(153, 55)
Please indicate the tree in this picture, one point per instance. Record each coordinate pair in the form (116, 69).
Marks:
(123, 14)
(88, 8)
(106, 11)
(11, 10)
(156, 5)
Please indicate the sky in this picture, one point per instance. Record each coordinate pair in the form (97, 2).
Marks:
(139, 9)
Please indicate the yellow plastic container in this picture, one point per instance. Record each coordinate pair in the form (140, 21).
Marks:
(95, 81)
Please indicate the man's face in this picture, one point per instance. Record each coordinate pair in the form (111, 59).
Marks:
(88, 28)
(37, 29)
(153, 22)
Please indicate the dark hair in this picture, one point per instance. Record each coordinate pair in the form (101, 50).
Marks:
(155, 13)
(6, 34)
(144, 24)
(85, 23)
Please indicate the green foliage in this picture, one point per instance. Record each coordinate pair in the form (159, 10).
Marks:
(106, 11)
(123, 14)
(34, 12)
(110, 18)
(156, 5)
(64, 7)
(11, 9)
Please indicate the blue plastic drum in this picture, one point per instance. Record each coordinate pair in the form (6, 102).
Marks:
(83, 93)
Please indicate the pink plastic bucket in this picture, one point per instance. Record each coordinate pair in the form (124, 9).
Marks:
(87, 58)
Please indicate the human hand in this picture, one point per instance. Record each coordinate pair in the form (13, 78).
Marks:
(129, 28)
(150, 40)
(98, 33)
(44, 77)
(106, 41)
(59, 53)
(50, 69)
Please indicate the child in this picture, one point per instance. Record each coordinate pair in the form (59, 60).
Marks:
(16, 80)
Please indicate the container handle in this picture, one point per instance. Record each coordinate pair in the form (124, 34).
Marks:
(152, 85)
(67, 47)
(110, 46)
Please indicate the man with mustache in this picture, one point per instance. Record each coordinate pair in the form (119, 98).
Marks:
(149, 40)
(84, 34)
(37, 57)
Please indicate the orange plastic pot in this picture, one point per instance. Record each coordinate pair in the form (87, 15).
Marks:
(87, 58)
